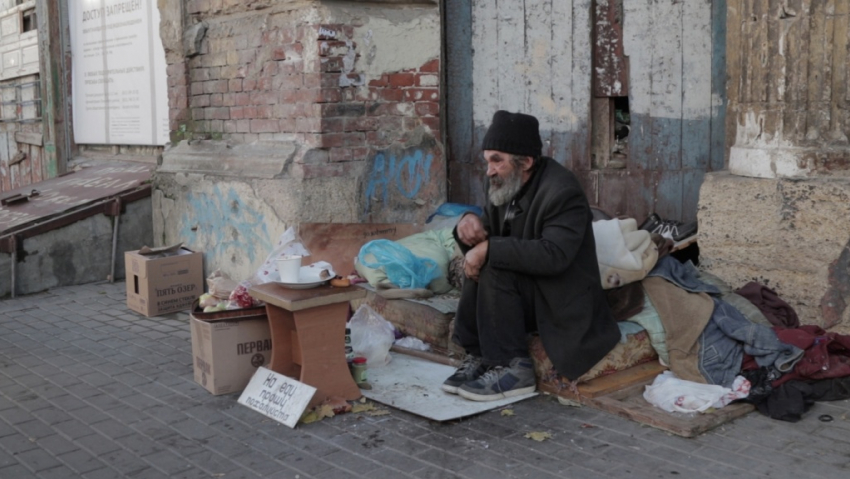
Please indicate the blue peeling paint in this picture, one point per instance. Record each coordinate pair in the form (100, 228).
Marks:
(216, 216)
(407, 175)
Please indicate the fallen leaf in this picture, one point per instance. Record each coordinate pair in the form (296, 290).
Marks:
(362, 407)
(325, 410)
(337, 404)
(309, 417)
(587, 426)
(538, 436)
(507, 412)
(378, 412)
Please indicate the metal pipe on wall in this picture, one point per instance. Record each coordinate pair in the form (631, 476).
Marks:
(114, 247)
(14, 261)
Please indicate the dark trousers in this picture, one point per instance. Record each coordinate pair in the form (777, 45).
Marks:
(495, 315)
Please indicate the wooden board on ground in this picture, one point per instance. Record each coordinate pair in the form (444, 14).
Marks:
(629, 403)
(615, 382)
(621, 393)
(340, 243)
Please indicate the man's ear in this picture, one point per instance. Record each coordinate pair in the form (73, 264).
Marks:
(527, 163)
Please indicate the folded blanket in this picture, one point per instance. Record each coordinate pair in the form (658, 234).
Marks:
(625, 253)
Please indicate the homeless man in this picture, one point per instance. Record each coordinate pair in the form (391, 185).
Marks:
(530, 265)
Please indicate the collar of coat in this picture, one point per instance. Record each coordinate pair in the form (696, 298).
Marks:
(522, 199)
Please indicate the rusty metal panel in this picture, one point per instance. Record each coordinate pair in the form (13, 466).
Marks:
(691, 180)
(610, 69)
(669, 194)
(613, 194)
(589, 181)
(458, 118)
(65, 193)
(675, 84)
(641, 192)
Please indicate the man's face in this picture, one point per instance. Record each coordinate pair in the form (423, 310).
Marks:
(506, 178)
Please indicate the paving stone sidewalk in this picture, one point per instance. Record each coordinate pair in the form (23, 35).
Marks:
(90, 389)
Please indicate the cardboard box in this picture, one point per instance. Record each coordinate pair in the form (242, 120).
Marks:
(159, 284)
(227, 352)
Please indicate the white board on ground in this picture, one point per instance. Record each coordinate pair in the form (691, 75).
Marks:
(414, 385)
(277, 396)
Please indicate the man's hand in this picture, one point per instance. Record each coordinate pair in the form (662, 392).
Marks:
(470, 230)
(475, 259)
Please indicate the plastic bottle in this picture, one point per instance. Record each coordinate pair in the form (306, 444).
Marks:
(358, 370)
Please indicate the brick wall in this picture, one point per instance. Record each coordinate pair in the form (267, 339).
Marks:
(329, 78)
(300, 83)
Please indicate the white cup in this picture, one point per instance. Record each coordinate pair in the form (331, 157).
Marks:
(289, 268)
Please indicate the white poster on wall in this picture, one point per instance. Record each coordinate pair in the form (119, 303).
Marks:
(119, 83)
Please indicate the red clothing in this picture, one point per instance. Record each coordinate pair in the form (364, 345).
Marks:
(827, 355)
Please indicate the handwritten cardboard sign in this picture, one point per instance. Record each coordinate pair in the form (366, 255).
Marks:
(277, 396)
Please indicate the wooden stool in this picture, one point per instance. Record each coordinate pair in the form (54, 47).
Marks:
(308, 336)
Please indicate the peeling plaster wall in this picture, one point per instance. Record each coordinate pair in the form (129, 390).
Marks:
(792, 235)
(237, 222)
(310, 111)
(789, 94)
(781, 215)
(389, 40)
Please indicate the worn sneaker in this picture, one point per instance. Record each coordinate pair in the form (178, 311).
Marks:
(650, 223)
(471, 369)
(502, 382)
(674, 230)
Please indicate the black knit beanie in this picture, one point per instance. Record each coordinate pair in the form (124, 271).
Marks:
(514, 133)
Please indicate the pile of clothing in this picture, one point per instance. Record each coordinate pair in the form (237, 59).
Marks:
(748, 342)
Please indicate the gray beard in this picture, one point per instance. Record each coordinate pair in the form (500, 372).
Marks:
(501, 194)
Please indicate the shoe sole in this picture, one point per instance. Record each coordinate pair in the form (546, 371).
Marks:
(450, 389)
(680, 244)
(495, 397)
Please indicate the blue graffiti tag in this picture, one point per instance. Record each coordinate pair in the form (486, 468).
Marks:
(407, 175)
(215, 217)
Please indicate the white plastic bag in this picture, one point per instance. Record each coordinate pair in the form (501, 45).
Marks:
(372, 336)
(287, 244)
(672, 394)
(410, 342)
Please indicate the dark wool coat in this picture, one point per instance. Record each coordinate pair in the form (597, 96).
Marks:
(551, 241)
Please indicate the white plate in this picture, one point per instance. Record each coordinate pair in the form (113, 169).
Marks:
(309, 276)
(304, 285)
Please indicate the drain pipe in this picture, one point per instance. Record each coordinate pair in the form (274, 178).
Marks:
(114, 248)
(12, 244)
(113, 208)
(14, 262)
